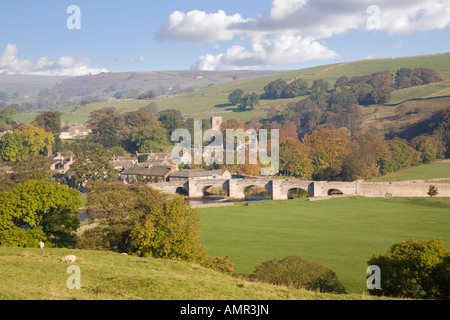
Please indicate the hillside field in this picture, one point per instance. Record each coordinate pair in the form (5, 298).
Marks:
(342, 234)
(213, 100)
(35, 274)
(436, 170)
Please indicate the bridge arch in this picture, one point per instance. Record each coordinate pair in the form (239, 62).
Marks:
(294, 193)
(213, 190)
(182, 191)
(333, 192)
(257, 191)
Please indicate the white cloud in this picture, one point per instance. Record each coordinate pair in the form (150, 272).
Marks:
(415, 16)
(199, 26)
(10, 63)
(276, 51)
(289, 33)
(283, 8)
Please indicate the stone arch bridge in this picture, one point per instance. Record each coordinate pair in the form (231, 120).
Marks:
(278, 189)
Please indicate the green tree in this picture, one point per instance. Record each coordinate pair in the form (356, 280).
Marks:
(171, 120)
(92, 165)
(32, 168)
(50, 121)
(142, 221)
(414, 269)
(235, 97)
(249, 101)
(35, 139)
(319, 85)
(297, 88)
(7, 115)
(295, 272)
(12, 148)
(149, 139)
(106, 125)
(43, 209)
(275, 89)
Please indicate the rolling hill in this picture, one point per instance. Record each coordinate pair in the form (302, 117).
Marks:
(35, 274)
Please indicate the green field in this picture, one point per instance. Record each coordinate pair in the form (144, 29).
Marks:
(35, 274)
(423, 172)
(342, 234)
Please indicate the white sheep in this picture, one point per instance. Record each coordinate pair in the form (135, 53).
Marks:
(69, 259)
(41, 245)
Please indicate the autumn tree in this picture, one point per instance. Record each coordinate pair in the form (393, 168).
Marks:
(294, 160)
(328, 151)
(366, 154)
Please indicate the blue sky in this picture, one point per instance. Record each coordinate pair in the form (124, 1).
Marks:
(138, 35)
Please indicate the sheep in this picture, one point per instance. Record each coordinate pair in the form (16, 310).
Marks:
(41, 245)
(69, 259)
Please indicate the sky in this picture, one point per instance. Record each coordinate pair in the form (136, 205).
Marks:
(79, 37)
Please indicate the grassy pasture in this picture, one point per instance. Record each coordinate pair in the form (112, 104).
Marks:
(342, 234)
(434, 170)
(35, 274)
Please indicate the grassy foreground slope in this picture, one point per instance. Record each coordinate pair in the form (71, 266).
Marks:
(35, 274)
(342, 234)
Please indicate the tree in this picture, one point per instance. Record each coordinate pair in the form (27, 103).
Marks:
(42, 210)
(50, 121)
(328, 151)
(7, 115)
(414, 269)
(12, 148)
(296, 272)
(26, 141)
(145, 222)
(171, 120)
(249, 100)
(319, 85)
(91, 165)
(275, 89)
(35, 139)
(297, 88)
(32, 168)
(235, 97)
(432, 191)
(149, 139)
(294, 160)
(106, 125)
